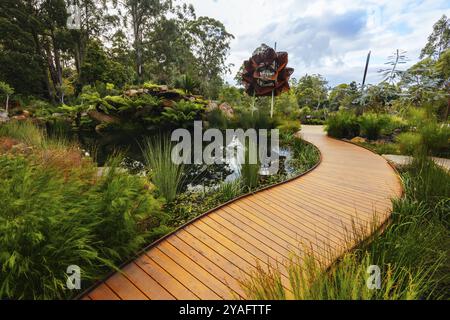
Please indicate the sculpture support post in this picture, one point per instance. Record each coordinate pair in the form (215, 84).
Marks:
(253, 102)
(271, 107)
(273, 91)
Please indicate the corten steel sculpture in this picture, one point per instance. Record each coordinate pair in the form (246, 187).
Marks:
(265, 73)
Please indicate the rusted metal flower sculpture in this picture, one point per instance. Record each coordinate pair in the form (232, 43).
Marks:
(266, 71)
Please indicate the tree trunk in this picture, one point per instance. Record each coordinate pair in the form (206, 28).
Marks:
(447, 111)
(102, 117)
(77, 56)
(54, 67)
(58, 69)
(41, 53)
(137, 42)
(7, 103)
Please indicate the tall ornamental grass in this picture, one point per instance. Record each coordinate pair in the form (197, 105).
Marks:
(166, 175)
(342, 124)
(372, 125)
(250, 171)
(24, 131)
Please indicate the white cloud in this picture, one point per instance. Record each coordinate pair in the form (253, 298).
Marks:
(327, 37)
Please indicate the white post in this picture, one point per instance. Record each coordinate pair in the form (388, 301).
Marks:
(273, 91)
(7, 103)
(271, 107)
(253, 102)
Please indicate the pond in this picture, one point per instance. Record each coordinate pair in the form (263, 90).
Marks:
(102, 146)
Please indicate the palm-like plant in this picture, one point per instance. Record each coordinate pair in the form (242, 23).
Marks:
(187, 83)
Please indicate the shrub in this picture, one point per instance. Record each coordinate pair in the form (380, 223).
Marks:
(183, 113)
(217, 119)
(408, 142)
(289, 126)
(395, 123)
(435, 138)
(187, 83)
(258, 120)
(431, 138)
(145, 101)
(24, 131)
(40, 108)
(129, 214)
(120, 103)
(416, 116)
(305, 114)
(342, 124)
(309, 281)
(165, 174)
(372, 124)
(428, 183)
(305, 155)
(250, 171)
(382, 148)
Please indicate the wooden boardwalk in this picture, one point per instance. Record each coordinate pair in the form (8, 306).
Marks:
(206, 258)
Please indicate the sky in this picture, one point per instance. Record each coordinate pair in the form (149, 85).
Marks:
(327, 37)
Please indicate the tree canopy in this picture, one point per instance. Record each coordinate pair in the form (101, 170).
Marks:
(123, 42)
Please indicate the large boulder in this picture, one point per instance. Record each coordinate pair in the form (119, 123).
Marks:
(102, 117)
(131, 93)
(3, 116)
(224, 107)
(358, 140)
(211, 106)
(227, 109)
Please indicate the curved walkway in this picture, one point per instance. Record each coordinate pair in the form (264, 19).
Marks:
(207, 258)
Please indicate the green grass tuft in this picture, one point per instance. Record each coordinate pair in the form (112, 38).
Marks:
(166, 175)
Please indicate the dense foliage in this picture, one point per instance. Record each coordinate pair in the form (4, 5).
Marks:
(58, 211)
(167, 41)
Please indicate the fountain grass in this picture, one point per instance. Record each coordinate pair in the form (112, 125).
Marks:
(24, 131)
(250, 171)
(166, 175)
(230, 190)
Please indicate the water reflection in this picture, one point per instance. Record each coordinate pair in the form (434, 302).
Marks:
(198, 177)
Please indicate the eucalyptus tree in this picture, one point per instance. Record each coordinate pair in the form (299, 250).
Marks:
(210, 45)
(7, 91)
(168, 47)
(19, 43)
(422, 83)
(37, 25)
(343, 96)
(312, 91)
(141, 14)
(443, 68)
(95, 20)
(439, 39)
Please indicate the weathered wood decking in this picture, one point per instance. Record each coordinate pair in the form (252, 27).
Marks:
(205, 259)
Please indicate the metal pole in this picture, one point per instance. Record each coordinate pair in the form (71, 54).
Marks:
(273, 91)
(365, 70)
(271, 107)
(253, 102)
